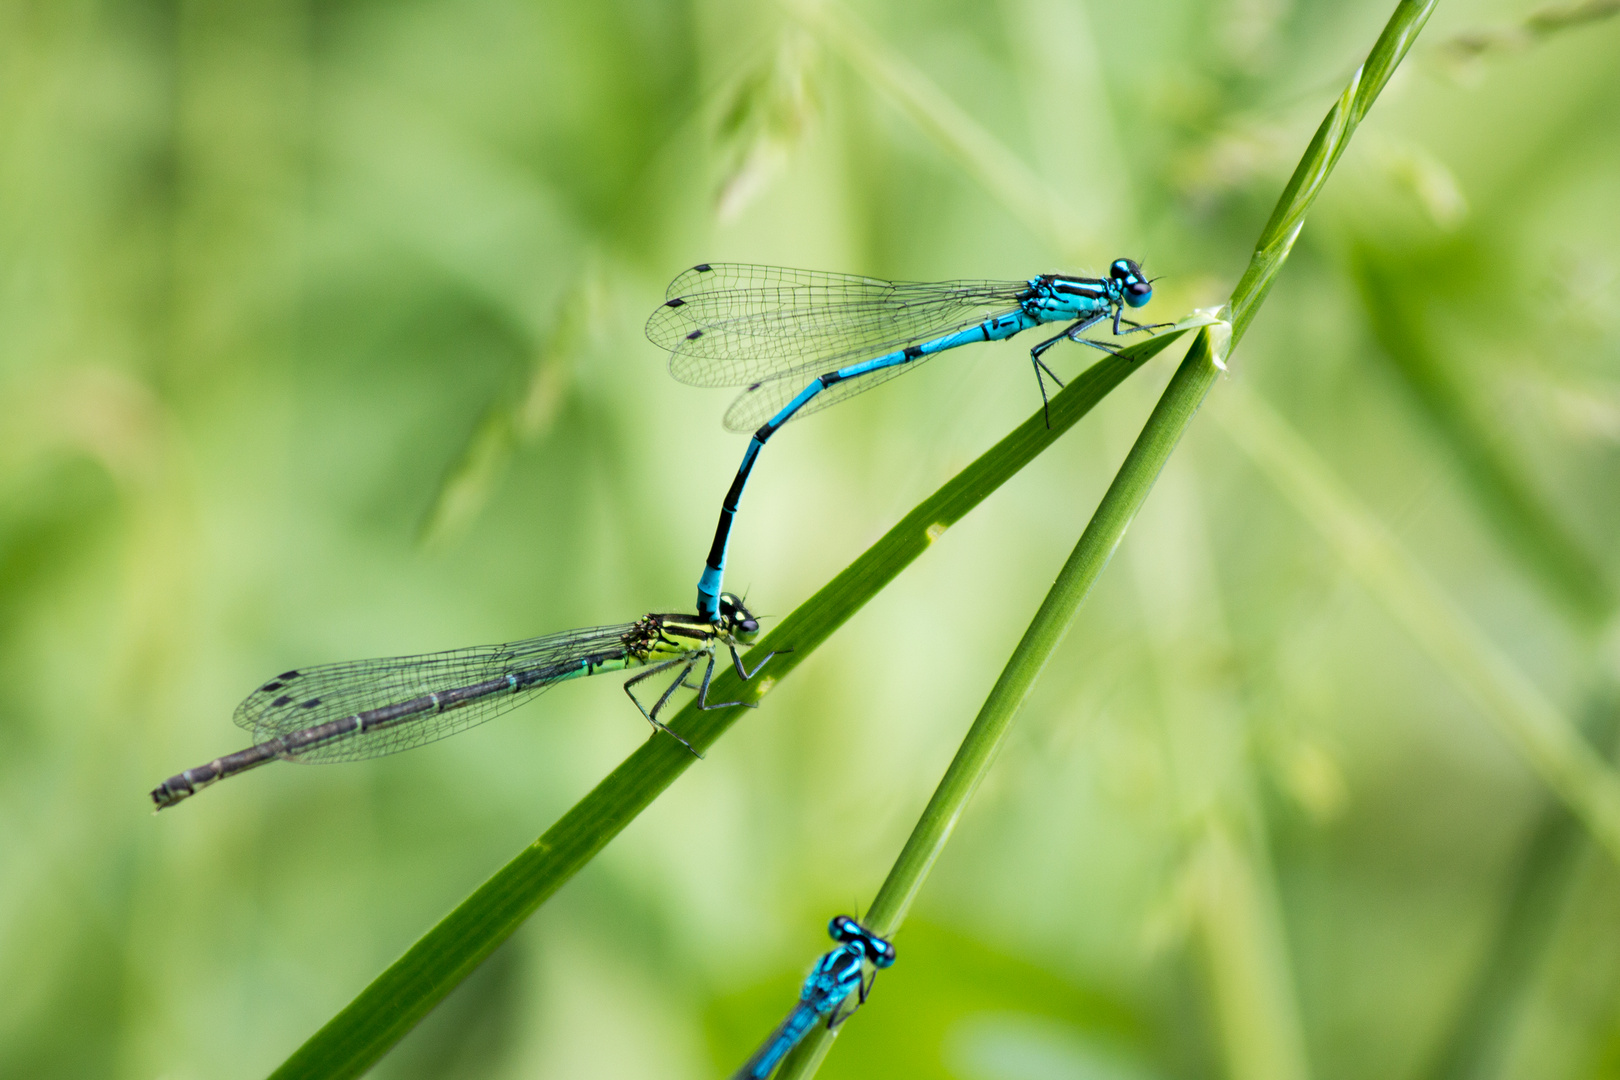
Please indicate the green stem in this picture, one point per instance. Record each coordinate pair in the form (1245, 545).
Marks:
(1159, 438)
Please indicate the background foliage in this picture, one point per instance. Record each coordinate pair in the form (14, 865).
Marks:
(320, 338)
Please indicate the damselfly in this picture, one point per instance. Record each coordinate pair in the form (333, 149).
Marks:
(800, 340)
(836, 975)
(368, 708)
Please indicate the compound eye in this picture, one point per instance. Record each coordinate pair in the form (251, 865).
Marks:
(882, 952)
(844, 928)
(1122, 270)
(748, 626)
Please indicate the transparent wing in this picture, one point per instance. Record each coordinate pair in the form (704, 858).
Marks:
(396, 694)
(764, 400)
(729, 324)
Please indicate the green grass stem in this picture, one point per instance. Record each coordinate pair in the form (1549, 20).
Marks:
(1178, 404)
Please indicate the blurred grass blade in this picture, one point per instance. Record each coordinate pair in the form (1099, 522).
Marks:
(1547, 741)
(977, 151)
(1526, 525)
(1414, 169)
(1234, 906)
(1464, 51)
(511, 422)
(354, 1040)
(766, 116)
(1204, 362)
(1483, 1022)
(1224, 899)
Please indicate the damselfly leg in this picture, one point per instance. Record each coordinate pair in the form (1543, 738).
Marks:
(1040, 365)
(681, 680)
(663, 699)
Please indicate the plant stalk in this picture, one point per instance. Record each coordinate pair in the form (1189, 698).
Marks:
(1178, 404)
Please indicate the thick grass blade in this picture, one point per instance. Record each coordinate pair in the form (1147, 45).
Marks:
(353, 1040)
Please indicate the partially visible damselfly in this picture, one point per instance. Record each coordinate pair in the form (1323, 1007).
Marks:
(368, 708)
(800, 340)
(836, 976)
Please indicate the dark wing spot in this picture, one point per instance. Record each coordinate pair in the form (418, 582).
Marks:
(694, 335)
(280, 701)
(269, 686)
(285, 675)
(703, 268)
(677, 302)
(310, 704)
(754, 386)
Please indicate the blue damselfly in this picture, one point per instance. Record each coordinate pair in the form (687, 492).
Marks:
(836, 975)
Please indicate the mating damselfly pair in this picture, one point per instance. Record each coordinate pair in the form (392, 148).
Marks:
(798, 341)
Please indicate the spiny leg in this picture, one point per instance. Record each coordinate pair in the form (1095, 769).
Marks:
(746, 675)
(647, 674)
(703, 694)
(742, 673)
(1046, 406)
(679, 682)
(652, 717)
(1106, 346)
(1135, 326)
(1040, 365)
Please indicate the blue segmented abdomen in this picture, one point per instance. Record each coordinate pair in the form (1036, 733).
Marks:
(786, 1036)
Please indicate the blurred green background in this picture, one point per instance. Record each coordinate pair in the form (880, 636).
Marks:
(320, 338)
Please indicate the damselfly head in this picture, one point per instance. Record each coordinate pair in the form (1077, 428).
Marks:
(737, 618)
(846, 930)
(1136, 288)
